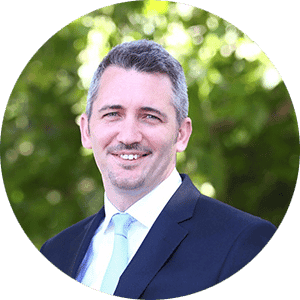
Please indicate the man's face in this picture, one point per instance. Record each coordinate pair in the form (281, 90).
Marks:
(133, 130)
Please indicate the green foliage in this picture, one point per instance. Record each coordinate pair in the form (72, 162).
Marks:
(244, 147)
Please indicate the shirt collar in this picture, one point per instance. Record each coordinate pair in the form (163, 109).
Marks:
(148, 208)
(110, 210)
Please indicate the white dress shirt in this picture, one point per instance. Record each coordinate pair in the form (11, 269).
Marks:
(145, 211)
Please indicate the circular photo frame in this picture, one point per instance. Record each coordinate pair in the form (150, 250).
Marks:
(243, 149)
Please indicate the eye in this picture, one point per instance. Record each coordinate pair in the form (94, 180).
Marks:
(152, 118)
(111, 114)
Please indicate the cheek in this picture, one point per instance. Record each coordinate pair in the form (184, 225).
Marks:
(101, 137)
(166, 147)
(162, 138)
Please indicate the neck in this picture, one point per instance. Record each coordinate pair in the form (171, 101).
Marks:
(122, 200)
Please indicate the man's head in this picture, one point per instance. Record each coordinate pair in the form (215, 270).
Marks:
(133, 127)
(144, 56)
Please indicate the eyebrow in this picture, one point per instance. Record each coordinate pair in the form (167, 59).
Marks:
(108, 107)
(151, 109)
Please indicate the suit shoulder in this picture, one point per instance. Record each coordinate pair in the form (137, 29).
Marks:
(69, 234)
(222, 214)
(211, 212)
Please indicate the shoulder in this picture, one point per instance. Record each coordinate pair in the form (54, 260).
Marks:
(71, 234)
(215, 211)
(220, 217)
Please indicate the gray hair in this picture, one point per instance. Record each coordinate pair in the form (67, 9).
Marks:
(144, 56)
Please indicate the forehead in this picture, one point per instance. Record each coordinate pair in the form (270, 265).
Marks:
(134, 88)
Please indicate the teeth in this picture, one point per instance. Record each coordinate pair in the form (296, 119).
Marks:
(130, 156)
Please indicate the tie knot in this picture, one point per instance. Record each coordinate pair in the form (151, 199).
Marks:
(122, 223)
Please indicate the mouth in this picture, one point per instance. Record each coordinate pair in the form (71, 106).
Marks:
(130, 156)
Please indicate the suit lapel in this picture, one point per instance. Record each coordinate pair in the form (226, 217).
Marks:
(81, 243)
(162, 240)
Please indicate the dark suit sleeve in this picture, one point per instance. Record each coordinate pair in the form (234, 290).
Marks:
(58, 253)
(47, 250)
(246, 246)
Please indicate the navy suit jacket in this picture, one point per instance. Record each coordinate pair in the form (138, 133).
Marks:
(195, 243)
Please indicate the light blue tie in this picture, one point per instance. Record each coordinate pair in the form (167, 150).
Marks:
(119, 257)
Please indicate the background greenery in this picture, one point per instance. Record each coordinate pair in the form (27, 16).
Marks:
(244, 147)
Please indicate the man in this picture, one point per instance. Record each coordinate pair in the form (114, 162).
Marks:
(177, 241)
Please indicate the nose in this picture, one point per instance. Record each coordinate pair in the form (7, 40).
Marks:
(129, 132)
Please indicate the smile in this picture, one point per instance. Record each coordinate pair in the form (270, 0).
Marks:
(130, 156)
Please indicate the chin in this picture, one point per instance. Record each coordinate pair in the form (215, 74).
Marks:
(127, 184)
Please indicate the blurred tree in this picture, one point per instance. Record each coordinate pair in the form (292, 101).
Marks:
(244, 147)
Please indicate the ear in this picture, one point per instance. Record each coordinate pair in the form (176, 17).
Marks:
(85, 132)
(184, 134)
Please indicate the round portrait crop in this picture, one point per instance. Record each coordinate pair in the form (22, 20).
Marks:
(149, 150)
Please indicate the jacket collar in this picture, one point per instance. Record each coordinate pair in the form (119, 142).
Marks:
(81, 242)
(162, 240)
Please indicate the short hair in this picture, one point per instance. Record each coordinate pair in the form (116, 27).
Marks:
(144, 56)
